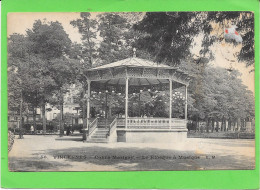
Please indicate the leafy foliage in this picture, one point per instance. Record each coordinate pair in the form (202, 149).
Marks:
(167, 35)
(43, 63)
(50, 41)
(87, 28)
(38, 62)
(114, 30)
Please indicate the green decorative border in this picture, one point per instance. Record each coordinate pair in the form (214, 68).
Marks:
(225, 179)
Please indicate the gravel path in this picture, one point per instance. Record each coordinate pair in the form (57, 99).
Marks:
(45, 153)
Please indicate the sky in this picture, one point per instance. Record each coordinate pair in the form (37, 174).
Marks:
(20, 22)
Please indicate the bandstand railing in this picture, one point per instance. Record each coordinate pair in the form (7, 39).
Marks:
(112, 127)
(92, 126)
(152, 123)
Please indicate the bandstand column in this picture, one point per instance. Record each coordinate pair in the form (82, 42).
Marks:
(186, 102)
(126, 101)
(170, 109)
(88, 103)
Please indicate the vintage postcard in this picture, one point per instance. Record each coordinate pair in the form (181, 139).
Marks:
(122, 91)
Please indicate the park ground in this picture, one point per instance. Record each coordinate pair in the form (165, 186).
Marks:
(51, 153)
(222, 135)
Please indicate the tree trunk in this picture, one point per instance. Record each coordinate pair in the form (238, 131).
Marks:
(207, 124)
(222, 124)
(43, 119)
(212, 127)
(217, 125)
(61, 115)
(34, 119)
(21, 117)
(197, 123)
(242, 124)
(235, 125)
(229, 124)
(71, 122)
(238, 124)
(27, 115)
(225, 124)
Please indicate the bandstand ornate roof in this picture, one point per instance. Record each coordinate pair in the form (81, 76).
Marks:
(139, 71)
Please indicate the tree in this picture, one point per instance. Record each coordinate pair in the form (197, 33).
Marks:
(113, 30)
(49, 43)
(18, 71)
(31, 75)
(40, 61)
(217, 94)
(63, 72)
(86, 53)
(167, 36)
(87, 28)
(15, 98)
(227, 97)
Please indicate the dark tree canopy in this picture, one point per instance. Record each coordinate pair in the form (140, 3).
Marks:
(87, 28)
(167, 35)
(113, 30)
(50, 41)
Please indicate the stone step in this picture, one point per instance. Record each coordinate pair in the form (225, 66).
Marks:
(103, 126)
(97, 140)
(98, 136)
(100, 131)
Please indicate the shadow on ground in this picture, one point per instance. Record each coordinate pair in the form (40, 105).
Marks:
(33, 164)
(151, 158)
(78, 156)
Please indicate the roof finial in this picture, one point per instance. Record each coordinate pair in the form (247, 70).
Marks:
(134, 50)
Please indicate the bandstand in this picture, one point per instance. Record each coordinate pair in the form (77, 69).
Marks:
(129, 76)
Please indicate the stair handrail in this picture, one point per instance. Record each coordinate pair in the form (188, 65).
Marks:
(112, 126)
(92, 126)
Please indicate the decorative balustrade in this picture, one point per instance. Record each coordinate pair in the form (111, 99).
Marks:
(152, 123)
(112, 126)
(92, 126)
(120, 122)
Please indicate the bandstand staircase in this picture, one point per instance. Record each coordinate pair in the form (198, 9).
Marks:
(102, 130)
